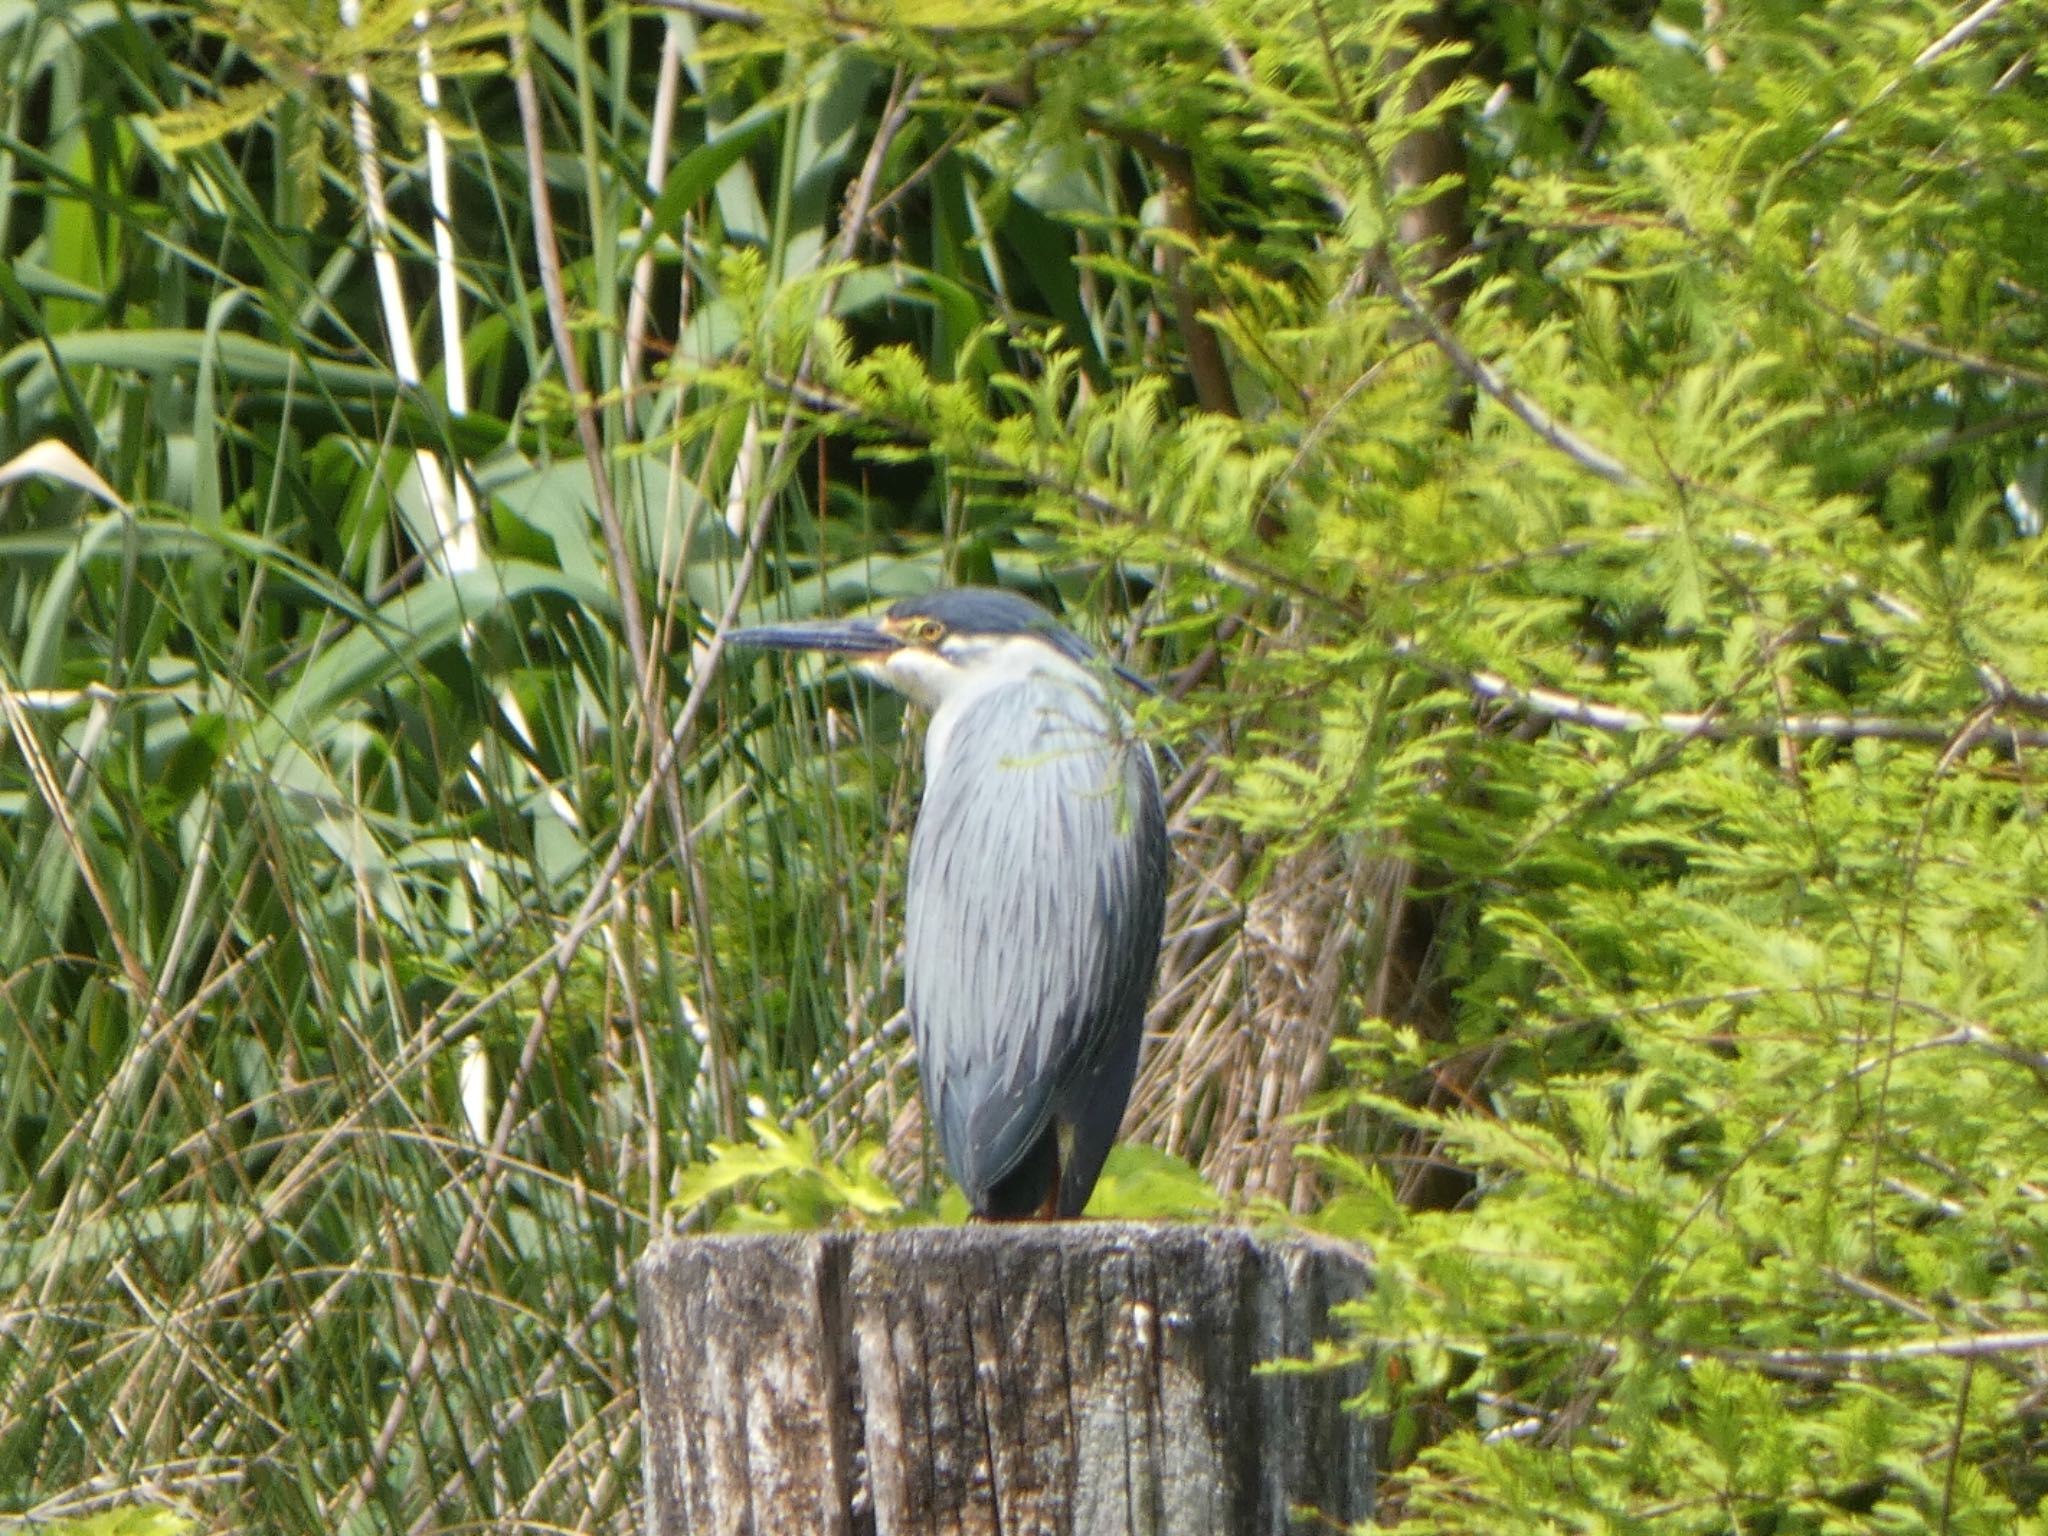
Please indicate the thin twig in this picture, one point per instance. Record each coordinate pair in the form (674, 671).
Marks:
(1504, 394)
(1950, 40)
(1968, 1346)
(660, 124)
(1969, 362)
(1575, 709)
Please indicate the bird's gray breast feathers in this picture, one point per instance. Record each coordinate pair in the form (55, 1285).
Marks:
(1036, 877)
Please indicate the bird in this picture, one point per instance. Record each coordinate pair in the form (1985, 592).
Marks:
(1035, 897)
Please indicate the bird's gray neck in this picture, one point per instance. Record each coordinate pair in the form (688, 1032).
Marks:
(1043, 682)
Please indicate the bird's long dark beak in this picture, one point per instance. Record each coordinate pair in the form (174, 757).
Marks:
(846, 637)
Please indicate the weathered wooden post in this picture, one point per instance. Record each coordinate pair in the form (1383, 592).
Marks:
(1086, 1378)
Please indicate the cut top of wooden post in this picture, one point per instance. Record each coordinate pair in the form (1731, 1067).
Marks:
(1085, 1377)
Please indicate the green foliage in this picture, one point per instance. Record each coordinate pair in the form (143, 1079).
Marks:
(1142, 1183)
(787, 1185)
(135, 1520)
(781, 1181)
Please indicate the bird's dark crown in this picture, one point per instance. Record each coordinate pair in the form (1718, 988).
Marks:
(986, 611)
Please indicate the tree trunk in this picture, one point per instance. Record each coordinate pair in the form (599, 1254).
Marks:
(1082, 1377)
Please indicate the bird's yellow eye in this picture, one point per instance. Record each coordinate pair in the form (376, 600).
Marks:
(924, 631)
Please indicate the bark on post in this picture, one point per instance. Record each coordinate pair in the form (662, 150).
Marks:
(1088, 1378)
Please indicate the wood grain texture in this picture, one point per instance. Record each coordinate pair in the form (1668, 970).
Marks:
(1084, 1377)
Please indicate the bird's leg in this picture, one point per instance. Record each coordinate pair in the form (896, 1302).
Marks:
(1051, 1209)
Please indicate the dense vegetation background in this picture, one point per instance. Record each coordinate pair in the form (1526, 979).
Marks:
(1577, 468)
